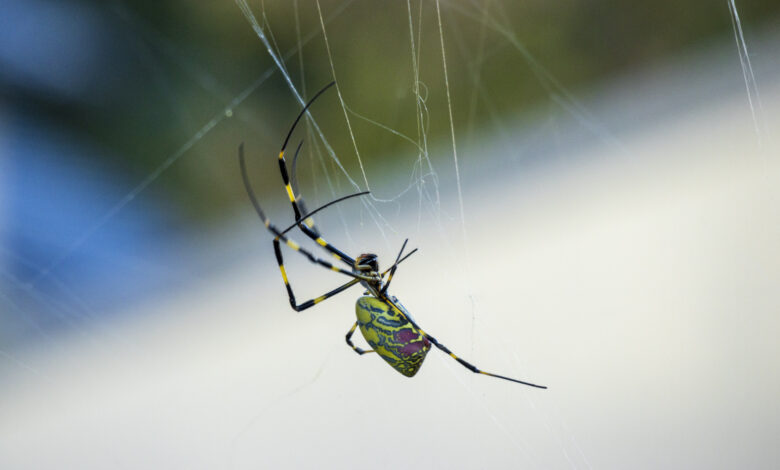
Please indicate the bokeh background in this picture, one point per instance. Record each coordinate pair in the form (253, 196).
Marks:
(592, 186)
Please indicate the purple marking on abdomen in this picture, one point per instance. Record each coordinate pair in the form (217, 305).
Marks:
(406, 335)
(412, 348)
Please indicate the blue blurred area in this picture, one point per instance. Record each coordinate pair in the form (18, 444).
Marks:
(55, 50)
(52, 192)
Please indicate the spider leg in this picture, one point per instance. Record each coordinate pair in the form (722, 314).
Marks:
(305, 222)
(310, 232)
(309, 303)
(349, 341)
(309, 214)
(298, 196)
(384, 273)
(462, 362)
(280, 237)
(393, 268)
(471, 367)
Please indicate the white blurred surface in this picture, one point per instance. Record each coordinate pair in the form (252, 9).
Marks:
(639, 282)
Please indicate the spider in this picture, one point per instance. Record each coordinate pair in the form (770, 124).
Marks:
(386, 325)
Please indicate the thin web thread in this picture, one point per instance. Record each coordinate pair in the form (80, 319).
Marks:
(421, 116)
(476, 74)
(341, 98)
(561, 96)
(373, 212)
(557, 92)
(751, 86)
(479, 91)
(128, 198)
(23, 365)
(250, 17)
(452, 129)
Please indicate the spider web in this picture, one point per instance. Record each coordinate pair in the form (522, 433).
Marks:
(435, 194)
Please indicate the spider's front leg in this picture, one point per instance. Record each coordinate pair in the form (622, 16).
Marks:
(310, 232)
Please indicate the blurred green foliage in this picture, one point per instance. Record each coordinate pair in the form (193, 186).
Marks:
(187, 60)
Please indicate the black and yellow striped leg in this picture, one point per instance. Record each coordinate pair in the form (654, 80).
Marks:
(309, 303)
(298, 197)
(303, 224)
(280, 237)
(326, 264)
(307, 226)
(358, 350)
(393, 268)
(471, 367)
(444, 348)
(323, 207)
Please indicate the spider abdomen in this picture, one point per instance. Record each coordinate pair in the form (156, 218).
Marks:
(388, 331)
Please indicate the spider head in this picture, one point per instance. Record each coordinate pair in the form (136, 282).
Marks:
(367, 263)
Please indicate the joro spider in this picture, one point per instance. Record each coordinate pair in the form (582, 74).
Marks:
(386, 325)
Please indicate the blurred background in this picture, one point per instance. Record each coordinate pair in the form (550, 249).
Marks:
(592, 186)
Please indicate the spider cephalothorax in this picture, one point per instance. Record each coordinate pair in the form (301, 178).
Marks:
(367, 262)
(385, 324)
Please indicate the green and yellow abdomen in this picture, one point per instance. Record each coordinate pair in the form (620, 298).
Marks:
(388, 331)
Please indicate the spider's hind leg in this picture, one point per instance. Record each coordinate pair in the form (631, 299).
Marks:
(473, 368)
(351, 345)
